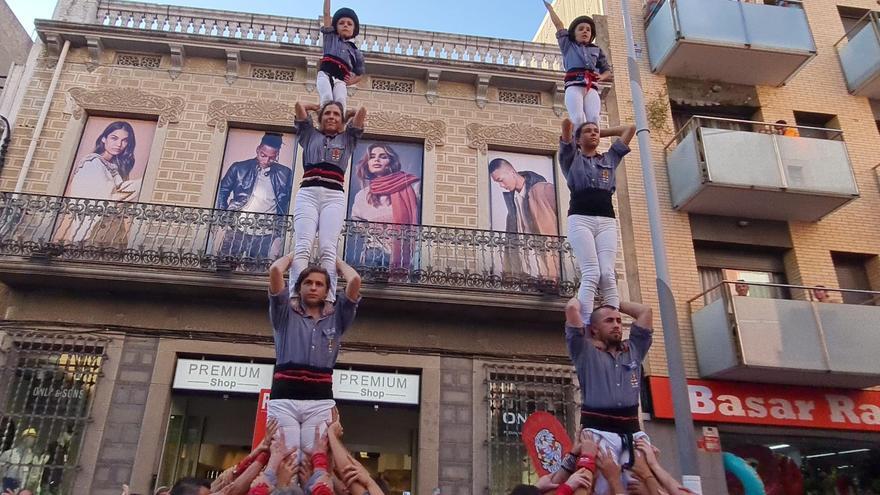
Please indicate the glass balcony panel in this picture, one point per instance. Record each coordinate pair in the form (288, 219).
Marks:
(740, 158)
(760, 44)
(661, 33)
(763, 23)
(816, 165)
(711, 20)
(860, 58)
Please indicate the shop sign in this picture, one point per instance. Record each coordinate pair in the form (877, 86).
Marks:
(260, 421)
(763, 404)
(222, 376)
(230, 376)
(392, 388)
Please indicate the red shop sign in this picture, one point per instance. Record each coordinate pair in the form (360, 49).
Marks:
(763, 404)
(260, 420)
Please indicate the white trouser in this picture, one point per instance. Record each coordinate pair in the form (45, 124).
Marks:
(321, 211)
(594, 242)
(298, 419)
(583, 105)
(337, 91)
(613, 443)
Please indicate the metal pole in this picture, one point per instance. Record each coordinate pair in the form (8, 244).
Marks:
(684, 423)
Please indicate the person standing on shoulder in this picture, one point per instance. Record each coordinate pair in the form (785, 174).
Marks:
(343, 63)
(585, 66)
(307, 334)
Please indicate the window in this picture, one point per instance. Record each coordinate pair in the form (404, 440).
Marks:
(513, 394)
(47, 384)
(853, 20)
(681, 114)
(750, 264)
(817, 121)
(852, 273)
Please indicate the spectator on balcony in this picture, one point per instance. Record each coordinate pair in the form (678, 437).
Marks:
(307, 335)
(260, 186)
(585, 65)
(741, 288)
(387, 195)
(783, 129)
(319, 208)
(609, 370)
(343, 63)
(592, 226)
(821, 295)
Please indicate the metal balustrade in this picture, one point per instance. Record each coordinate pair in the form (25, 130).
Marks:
(306, 32)
(859, 54)
(787, 341)
(751, 169)
(202, 239)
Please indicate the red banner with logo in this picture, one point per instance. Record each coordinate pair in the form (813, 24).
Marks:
(776, 405)
(260, 421)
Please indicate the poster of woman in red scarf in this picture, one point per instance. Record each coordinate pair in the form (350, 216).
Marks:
(385, 194)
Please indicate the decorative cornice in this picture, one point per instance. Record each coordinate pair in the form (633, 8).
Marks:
(398, 124)
(481, 136)
(168, 109)
(220, 112)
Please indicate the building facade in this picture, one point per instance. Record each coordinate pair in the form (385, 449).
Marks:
(146, 281)
(743, 197)
(135, 335)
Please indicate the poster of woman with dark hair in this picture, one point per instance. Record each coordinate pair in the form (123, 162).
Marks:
(109, 165)
(386, 189)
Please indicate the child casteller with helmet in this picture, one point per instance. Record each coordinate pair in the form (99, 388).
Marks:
(585, 66)
(343, 63)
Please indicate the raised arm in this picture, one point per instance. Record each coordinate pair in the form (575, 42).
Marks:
(300, 111)
(642, 314)
(277, 271)
(626, 133)
(360, 118)
(573, 313)
(342, 459)
(352, 279)
(328, 18)
(553, 17)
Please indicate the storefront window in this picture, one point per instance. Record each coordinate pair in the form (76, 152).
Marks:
(47, 384)
(807, 465)
(514, 394)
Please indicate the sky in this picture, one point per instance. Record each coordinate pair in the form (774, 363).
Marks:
(511, 19)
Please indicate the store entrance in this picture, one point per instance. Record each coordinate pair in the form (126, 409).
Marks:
(206, 434)
(385, 440)
(807, 464)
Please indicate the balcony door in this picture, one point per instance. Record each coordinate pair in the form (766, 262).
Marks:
(852, 274)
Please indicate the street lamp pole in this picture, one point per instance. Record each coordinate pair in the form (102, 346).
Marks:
(684, 423)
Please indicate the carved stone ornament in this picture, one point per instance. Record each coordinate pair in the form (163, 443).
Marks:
(220, 112)
(168, 109)
(398, 124)
(481, 136)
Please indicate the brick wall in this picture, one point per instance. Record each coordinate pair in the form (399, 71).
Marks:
(819, 87)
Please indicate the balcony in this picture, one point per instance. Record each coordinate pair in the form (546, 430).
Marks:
(290, 31)
(750, 170)
(729, 41)
(859, 53)
(793, 342)
(219, 245)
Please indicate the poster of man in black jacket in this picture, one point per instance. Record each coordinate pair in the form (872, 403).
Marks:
(260, 189)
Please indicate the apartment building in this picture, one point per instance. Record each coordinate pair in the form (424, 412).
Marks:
(763, 118)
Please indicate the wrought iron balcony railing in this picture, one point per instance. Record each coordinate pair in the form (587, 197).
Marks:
(201, 239)
(306, 32)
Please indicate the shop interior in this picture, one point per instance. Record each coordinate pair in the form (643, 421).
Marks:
(208, 432)
(808, 465)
